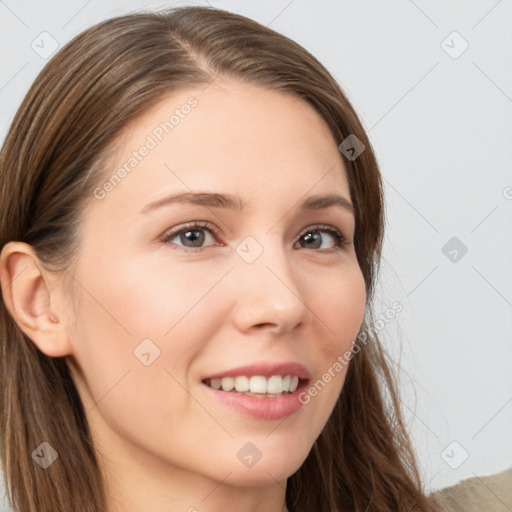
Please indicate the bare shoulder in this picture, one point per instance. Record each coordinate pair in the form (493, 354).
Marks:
(491, 493)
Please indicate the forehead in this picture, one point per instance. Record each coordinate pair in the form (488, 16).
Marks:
(228, 136)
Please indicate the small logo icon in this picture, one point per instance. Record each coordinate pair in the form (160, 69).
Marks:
(146, 352)
(454, 455)
(249, 249)
(44, 45)
(352, 147)
(454, 249)
(249, 455)
(454, 45)
(45, 455)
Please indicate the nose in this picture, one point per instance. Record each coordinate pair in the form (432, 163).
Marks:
(270, 293)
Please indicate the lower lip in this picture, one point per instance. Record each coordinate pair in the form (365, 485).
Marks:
(266, 408)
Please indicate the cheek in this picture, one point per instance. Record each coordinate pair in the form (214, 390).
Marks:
(342, 308)
(116, 334)
(339, 313)
(135, 313)
(158, 298)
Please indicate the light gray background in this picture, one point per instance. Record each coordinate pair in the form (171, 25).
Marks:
(442, 130)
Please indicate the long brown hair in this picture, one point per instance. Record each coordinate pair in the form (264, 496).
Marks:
(54, 155)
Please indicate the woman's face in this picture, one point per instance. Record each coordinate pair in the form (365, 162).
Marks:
(163, 306)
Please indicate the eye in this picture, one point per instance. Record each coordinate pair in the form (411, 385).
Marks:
(191, 236)
(314, 240)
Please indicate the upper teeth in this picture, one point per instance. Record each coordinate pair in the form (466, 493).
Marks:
(257, 384)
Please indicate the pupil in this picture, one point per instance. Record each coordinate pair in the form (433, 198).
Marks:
(313, 236)
(196, 240)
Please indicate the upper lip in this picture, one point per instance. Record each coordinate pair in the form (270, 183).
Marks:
(265, 369)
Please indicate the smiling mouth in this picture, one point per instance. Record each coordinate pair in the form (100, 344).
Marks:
(256, 385)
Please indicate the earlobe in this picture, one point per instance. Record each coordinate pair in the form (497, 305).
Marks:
(27, 295)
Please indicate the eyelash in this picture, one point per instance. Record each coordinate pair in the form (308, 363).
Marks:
(200, 225)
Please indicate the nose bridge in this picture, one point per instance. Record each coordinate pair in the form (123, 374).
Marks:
(267, 287)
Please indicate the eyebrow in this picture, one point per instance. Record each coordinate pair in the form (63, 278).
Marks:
(235, 203)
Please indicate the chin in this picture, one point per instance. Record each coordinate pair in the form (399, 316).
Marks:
(270, 469)
(263, 477)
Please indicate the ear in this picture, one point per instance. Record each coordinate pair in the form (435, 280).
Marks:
(27, 294)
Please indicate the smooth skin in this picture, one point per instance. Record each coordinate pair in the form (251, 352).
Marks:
(164, 443)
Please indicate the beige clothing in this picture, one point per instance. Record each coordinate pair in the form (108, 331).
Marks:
(478, 494)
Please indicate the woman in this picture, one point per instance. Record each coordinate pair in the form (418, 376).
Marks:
(154, 149)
